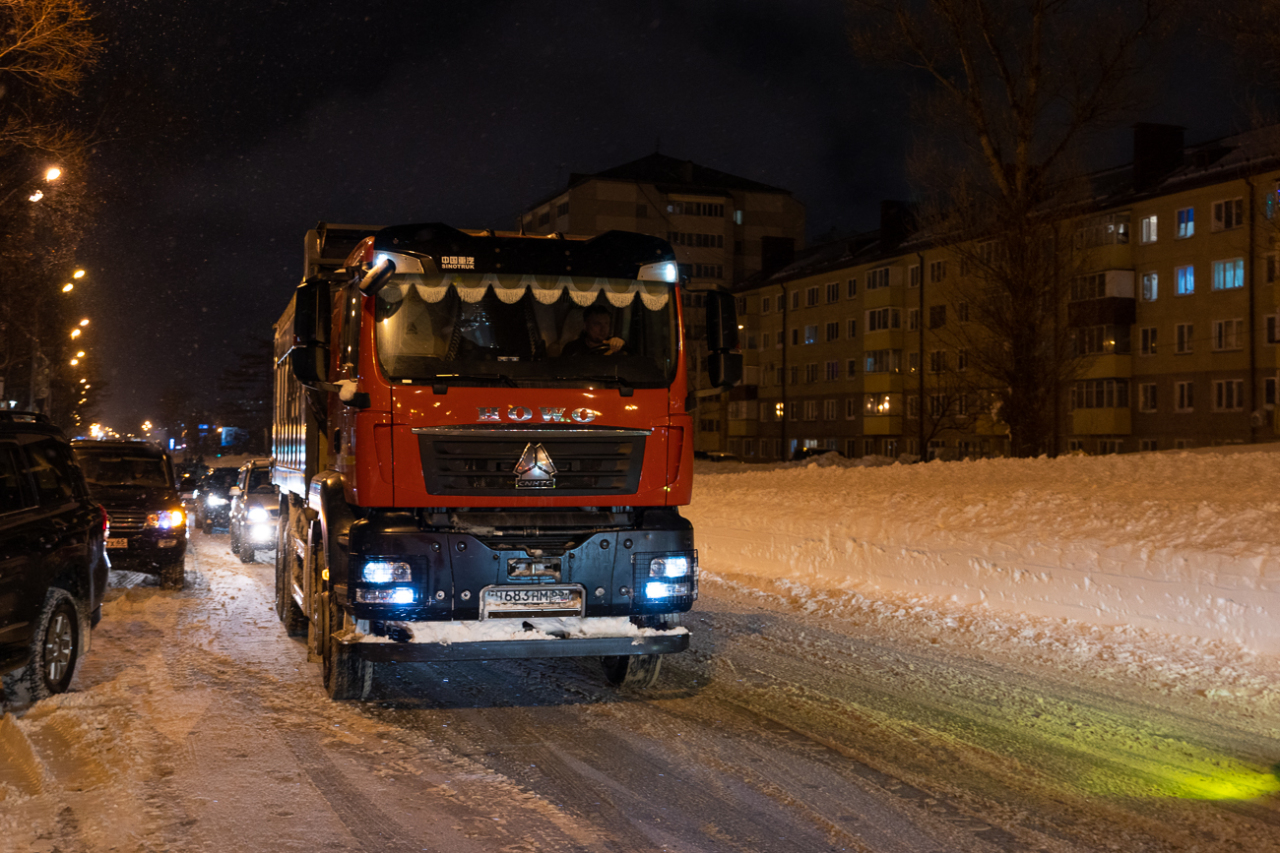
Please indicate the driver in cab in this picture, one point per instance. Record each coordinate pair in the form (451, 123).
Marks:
(594, 339)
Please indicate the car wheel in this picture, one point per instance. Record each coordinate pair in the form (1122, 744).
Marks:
(632, 672)
(206, 526)
(246, 552)
(173, 575)
(55, 651)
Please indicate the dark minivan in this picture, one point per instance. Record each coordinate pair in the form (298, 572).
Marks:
(53, 569)
(147, 526)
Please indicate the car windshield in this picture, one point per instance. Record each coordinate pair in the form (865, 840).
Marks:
(526, 329)
(260, 480)
(123, 469)
(219, 481)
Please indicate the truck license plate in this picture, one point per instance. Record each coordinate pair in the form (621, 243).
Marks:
(121, 542)
(499, 602)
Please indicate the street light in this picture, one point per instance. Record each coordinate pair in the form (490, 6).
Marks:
(52, 174)
(78, 274)
(75, 333)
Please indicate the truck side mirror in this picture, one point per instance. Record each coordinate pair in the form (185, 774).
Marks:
(724, 366)
(309, 355)
(724, 369)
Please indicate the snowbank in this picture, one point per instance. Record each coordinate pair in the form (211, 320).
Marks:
(1187, 544)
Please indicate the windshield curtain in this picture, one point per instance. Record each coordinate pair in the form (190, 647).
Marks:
(525, 329)
(124, 470)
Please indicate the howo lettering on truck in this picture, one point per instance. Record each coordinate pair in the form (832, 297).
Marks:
(481, 441)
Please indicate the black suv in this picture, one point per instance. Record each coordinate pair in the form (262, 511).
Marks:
(53, 569)
(147, 527)
(213, 498)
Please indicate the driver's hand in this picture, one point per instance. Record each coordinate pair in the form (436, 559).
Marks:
(614, 345)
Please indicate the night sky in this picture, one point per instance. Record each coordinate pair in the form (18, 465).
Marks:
(228, 129)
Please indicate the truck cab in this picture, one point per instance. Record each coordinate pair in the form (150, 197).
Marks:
(481, 443)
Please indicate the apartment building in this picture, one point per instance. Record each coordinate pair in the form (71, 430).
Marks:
(859, 345)
(724, 229)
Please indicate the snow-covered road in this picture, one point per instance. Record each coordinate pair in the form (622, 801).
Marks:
(801, 720)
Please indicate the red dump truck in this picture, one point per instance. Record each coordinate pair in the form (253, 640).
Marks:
(481, 441)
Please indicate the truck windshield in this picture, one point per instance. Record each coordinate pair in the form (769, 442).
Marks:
(526, 330)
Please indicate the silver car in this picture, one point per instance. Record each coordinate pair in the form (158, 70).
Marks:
(255, 511)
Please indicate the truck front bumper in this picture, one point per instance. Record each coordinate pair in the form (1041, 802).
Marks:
(538, 646)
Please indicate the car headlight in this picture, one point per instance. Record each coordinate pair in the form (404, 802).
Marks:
(216, 500)
(166, 519)
(258, 513)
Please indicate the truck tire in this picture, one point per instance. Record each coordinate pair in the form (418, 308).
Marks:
(56, 646)
(288, 611)
(346, 676)
(173, 574)
(632, 672)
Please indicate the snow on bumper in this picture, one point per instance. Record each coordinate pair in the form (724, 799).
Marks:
(529, 638)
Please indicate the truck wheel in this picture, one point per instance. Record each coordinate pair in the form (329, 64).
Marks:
(346, 676)
(632, 672)
(290, 614)
(55, 651)
(173, 574)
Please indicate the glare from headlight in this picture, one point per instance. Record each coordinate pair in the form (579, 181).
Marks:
(215, 500)
(658, 589)
(258, 513)
(385, 571)
(669, 567)
(166, 519)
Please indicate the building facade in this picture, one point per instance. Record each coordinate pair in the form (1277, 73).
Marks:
(859, 345)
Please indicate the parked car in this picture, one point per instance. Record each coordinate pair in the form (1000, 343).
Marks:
(53, 566)
(147, 526)
(255, 511)
(213, 498)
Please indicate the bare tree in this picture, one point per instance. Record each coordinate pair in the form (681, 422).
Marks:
(1015, 89)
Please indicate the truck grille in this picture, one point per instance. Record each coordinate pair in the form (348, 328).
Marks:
(483, 462)
(127, 520)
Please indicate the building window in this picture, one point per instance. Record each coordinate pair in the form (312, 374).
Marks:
(795, 374)
(962, 361)
(937, 316)
(1090, 340)
(1147, 444)
(1186, 397)
(833, 292)
(883, 361)
(1150, 286)
(1148, 229)
(1100, 394)
(833, 331)
(765, 302)
(1148, 335)
(1228, 214)
(810, 410)
(913, 319)
(853, 328)
(851, 368)
(938, 361)
(811, 373)
(1269, 391)
(709, 425)
(1228, 395)
(1109, 446)
(1092, 286)
(1186, 280)
(913, 407)
(913, 363)
(880, 405)
(833, 370)
(937, 271)
(852, 289)
(1147, 397)
(1183, 345)
(1273, 328)
(850, 409)
(811, 296)
(811, 334)
(830, 410)
(795, 337)
(765, 338)
(877, 279)
(793, 411)
(1271, 268)
(795, 300)
(913, 275)
(937, 406)
(881, 319)
(779, 411)
(1228, 335)
(1186, 222)
(962, 312)
(562, 209)
(1228, 275)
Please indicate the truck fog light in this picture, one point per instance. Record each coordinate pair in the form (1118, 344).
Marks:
(669, 567)
(392, 595)
(658, 589)
(385, 571)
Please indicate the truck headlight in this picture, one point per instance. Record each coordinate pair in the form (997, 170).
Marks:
(387, 595)
(666, 582)
(386, 571)
(258, 514)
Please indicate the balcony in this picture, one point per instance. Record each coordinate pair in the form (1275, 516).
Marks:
(1102, 422)
(891, 425)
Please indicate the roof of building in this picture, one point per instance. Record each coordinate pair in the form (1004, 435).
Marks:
(670, 175)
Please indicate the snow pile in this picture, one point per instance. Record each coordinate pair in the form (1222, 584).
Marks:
(1181, 543)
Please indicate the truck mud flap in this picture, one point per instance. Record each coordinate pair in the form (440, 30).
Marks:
(504, 649)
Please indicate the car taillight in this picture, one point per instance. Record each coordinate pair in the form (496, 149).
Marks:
(106, 519)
